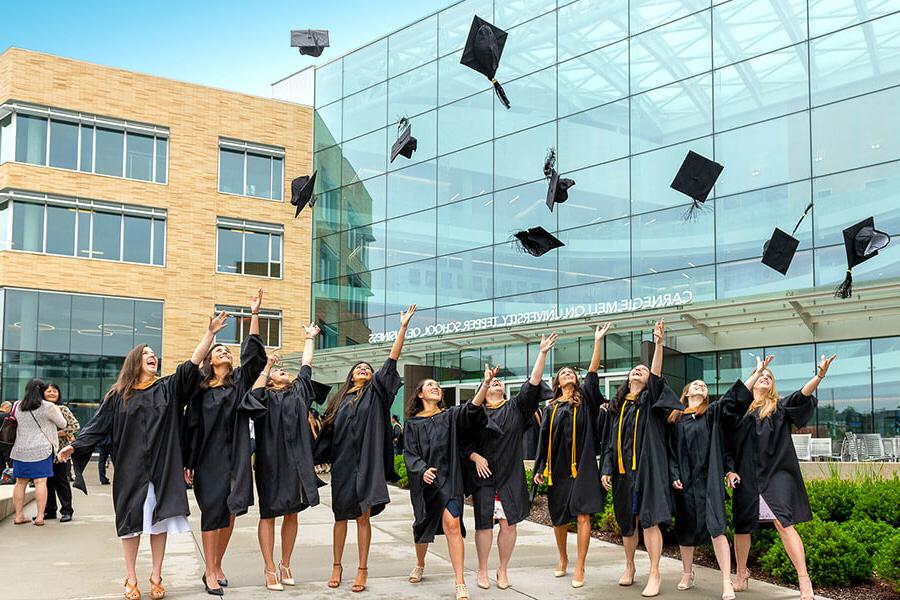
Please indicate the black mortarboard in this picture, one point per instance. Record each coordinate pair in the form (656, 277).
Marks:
(406, 144)
(779, 251)
(302, 192)
(484, 46)
(537, 241)
(310, 41)
(558, 190)
(320, 391)
(861, 241)
(696, 178)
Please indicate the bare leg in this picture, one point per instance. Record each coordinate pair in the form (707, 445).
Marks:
(455, 545)
(741, 554)
(506, 543)
(157, 554)
(210, 540)
(653, 542)
(630, 544)
(793, 545)
(421, 550)
(723, 557)
(483, 540)
(288, 538)
(584, 539)
(363, 540)
(40, 496)
(561, 534)
(338, 539)
(130, 550)
(687, 567)
(265, 532)
(19, 499)
(222, 546)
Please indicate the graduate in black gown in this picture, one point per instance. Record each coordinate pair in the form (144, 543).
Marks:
(432, 450)
(495, 469)
(286, 479)
(772, 488)
(356, 439)
(142, 414)
(567, 457)
(699, 461)
(635, 461)
(217, 452)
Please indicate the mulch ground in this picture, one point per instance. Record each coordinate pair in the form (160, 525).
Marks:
(875, 590)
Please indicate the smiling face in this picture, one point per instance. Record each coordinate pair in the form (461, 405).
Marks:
(431, 392)
(279, 377)
(361, 374)
(220, 355)
(566, 377)
(149, 362)
(765, 382)
(496, 391)
(51, 394)
(639, 374)
(698, 388)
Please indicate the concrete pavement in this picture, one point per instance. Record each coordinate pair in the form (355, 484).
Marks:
(83, 560)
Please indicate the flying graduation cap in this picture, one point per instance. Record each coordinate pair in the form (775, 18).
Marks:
(696, 178)
(861, 241)
(537, 241)
(311, 42)
(406, 144)
(484, 46)
(302, 192)
(558, 188)
(779, 251)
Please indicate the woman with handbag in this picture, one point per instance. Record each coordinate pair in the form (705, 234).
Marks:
(36, 444)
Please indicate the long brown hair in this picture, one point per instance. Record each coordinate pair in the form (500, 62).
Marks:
(675, 415)
(624, 389)
(207, 373)
(334, 404)
(415, 405)
(129, 374)
(767, 405)
(558, 391)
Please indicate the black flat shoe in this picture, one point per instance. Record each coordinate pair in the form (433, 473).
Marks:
(212, 591)
(47, 517)
(223, 582)
(65, 518)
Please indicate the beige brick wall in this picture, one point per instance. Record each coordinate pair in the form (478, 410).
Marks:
(196, 117)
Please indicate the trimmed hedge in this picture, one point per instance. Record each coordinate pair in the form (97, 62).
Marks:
(887, 561)
(400, 469)
(879, 501)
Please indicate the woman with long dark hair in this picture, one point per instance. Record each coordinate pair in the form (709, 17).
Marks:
(285, 473)
(142, 413)
(432, 452)
(217, 445)
(356, 441)
(567, 459)
(772, 488)
(698, 462)
(496, 472)
(36, 443)
(58, 485)
(635, 463)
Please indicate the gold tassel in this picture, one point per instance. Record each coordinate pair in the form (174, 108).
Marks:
(634, 442)
(548, 472)
(619, 446)
(574, 424)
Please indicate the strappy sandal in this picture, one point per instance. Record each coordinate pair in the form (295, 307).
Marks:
(806, 588)
(742, 581)
(157, 591)
(690, 583)
(462, 591)
(334, 583)
(289, 580)
(272, 587)
(131, 590)
(415, 576)
(726, 595)
(627, 582)
(360, 587)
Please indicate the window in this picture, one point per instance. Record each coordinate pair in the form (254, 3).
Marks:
(83, 142)
(67, 226)
(248, 248)
(251, 169)
(238, 327)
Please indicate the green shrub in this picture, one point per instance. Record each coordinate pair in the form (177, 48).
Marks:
(606, 521)
(832, 499)
(762, 540)
(871, 534)
(879, 501)
(400, 469)
(887, 561)
(529, 481)
(834, 558)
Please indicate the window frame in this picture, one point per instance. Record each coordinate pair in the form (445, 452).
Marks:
(270, 229)
(270, 152)
(241, 312)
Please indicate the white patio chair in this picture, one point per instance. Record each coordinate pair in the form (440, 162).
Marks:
(850, 448)
(801, 445)
(820, 448)
(873, 448)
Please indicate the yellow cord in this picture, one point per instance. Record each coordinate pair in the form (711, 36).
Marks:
(633, 442)
(574, 423)
(548, 472)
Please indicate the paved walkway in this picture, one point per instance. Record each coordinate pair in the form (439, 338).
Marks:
(83, 560)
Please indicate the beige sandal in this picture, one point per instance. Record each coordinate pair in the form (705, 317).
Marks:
(131, 590)
(742, 581)
(806, 588)
(273, 587)
(157, 591)
(462, 591)
(287, 578)
(415, 576)
(690, 581)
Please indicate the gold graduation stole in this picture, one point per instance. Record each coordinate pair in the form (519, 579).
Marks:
(548, 471)
(145, 385)
(628, 398)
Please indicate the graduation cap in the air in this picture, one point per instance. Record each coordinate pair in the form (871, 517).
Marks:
(406, 144)
(311, 42)
(537, 241)
(558, 188)
(779, 250)
(861, 241)
(320, 391)
(484, 46)
(696, 178)
(302, 192)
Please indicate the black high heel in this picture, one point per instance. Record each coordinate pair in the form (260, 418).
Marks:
(212, 591)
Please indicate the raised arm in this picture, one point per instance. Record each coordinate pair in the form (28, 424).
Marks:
(312, 330)
(537, 372)
(761, 365)
(813, 383)
(397, 347)
(489, 375)
(272, 360)
(216, 324)
(659, 331)
(599, 334)
(255, 303)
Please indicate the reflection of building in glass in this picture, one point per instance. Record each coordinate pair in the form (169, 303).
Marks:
(793, 98)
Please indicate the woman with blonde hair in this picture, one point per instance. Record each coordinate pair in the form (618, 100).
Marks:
(698, 461)
(772, 488)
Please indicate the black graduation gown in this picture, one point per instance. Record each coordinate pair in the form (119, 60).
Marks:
(500, 442)
(531, 434)
(768, 466)
(145, 448)
(285, 472)
(651, 478)
(698, 457)
(434, 442)
(570, 496)
(358, 446)
(219, 442)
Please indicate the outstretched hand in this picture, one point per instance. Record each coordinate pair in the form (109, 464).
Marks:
(547, 342)
(659, 332)
(490, 373)
(256, 301)
(601, 331)
(407, 315)
(762, 365)
(65, 454)
(272, 360)
(824, 363)
(312, 330)
(217, 323)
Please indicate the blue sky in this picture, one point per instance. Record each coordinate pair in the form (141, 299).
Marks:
(231, 44)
